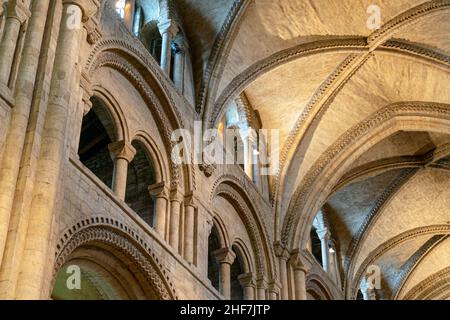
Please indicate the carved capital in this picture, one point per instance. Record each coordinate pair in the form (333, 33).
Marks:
(18, 9)
(274, 287)
(189, 200)
(281, 251)
(300, 262)
(175, 195)
(93, 30)
(168, 26)
(179, 44)
(224, 255)
(159, 190)
(88, 7)
(324, 234)
(122, 150)
(262, 282)
(247, 280)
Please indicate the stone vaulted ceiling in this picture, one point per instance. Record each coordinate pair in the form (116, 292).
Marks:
(314, 71)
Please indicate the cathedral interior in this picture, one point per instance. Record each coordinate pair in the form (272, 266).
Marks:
(335, 115)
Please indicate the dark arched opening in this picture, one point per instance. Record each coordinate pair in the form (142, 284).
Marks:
(213, 266)
(97, 132)
(237, 292)
(140, 176)
(316, 245)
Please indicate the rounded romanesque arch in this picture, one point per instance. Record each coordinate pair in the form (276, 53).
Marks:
(353, 281)
(228, 189)
(316, 289)
(320, 179)
(118, 263)
(435, 286)
(133, 61)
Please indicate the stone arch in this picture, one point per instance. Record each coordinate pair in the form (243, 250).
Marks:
(162, 173)
(123, 243)
(261, 243)
(317, 288)
(375, 41)
(130, 58)
(243, 253)
(114, 110)
(409, 116)
(221, 231)
(432, 287)
(353, 283)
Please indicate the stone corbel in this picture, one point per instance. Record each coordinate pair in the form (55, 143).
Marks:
(93, 31)
(207, 169)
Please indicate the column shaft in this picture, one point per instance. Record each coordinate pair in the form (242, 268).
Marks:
(120, 178)
(284, 279)
(225, 282)
(15, 16)
(166, 52)
(14, 149)
(174, 229)
(32, 276)
(160, 216)
(189, 225)
(261, 293)
(325, 257)
(178, 74)
(122, 153)
(300, 284)
(249, 293)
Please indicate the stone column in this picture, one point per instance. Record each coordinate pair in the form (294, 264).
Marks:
(283, 256)
(160, 194)
(15, 138)
(179, 63)
(189, 228)
(300, 266)
(274, 290)
(248, 285)
(261, 287)
(33, 276)
(174, 228)
(225, 258)
(300, 282)
(324, 236)
(17, 13)
(168, 30)
(122, 153)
